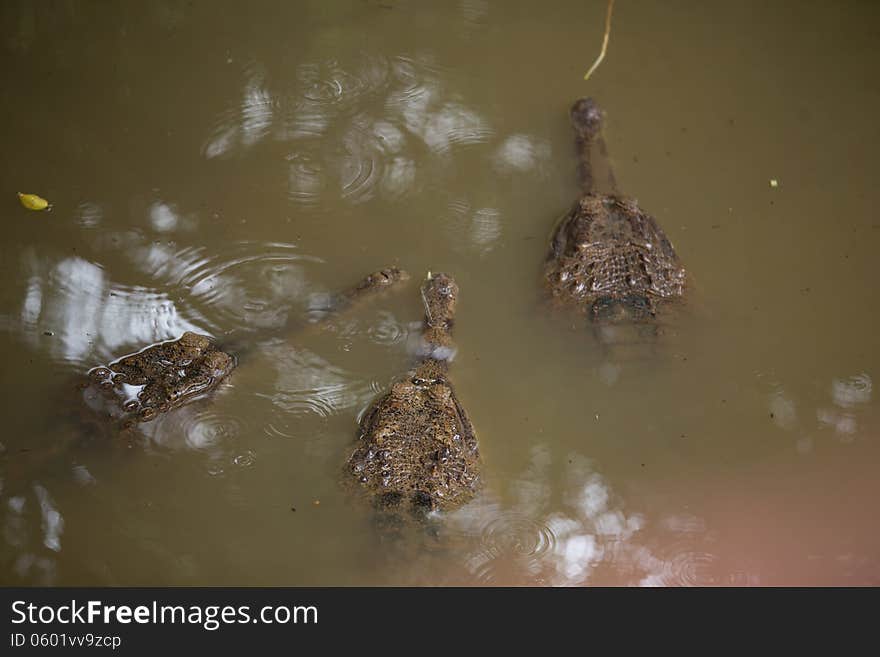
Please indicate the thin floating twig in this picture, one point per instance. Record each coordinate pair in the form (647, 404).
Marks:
(604, 41)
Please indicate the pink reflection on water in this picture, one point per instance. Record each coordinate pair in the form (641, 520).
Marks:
(796, 524)
(784, 523)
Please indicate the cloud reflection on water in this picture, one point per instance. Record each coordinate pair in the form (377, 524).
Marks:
(578, 533)
(338, 144)
(87, 315)
(850, 399)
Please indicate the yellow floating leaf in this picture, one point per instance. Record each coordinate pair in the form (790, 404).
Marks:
(33, 202)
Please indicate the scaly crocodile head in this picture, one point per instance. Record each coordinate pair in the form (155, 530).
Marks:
(440, 296)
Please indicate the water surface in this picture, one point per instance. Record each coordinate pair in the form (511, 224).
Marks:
(223, 168)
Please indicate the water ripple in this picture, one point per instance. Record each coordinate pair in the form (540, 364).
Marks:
(387, 330)
(339, 147)
(511, 545)
(201, 427)
(359, 164)
(309, 385)
(513, 533)
(83, 315)
(246, 123)
(89, 214)
(352, 166)
(245, 460)
(427, 111)
(305, 177)
(521, 153)
(323, 401)
(677, 565)
(412, 78)
(852, 391)
(211, 428)
(328, 84)
(322, 92)
(243, 285)
(472, 230)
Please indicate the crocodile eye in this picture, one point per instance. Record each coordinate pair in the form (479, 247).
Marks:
(421, 500)
(390, 499)
(99, 373)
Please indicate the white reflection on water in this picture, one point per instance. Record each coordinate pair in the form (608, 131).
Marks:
(337, 144)
(447, 125)
(32, 563)
(359, 161)
(578, 534)
(162, 217)
(82, 476)
(850, 398)
(246, 124)
(13, 528)
(783, 410)
(201, 425)
(419, 100)
(853, 391)
(521, 154)
(241, 285)
(481, 227)
(256, 110)
(308, 384)
(844, 424)
(84, 313)
(376, 126)
(165, 217)
(53, 523)
(89, 214)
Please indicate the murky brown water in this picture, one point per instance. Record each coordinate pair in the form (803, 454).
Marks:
(216, 166)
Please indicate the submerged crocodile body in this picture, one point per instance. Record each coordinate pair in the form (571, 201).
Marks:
(163, 376)
(417, 449)
(608, 257)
